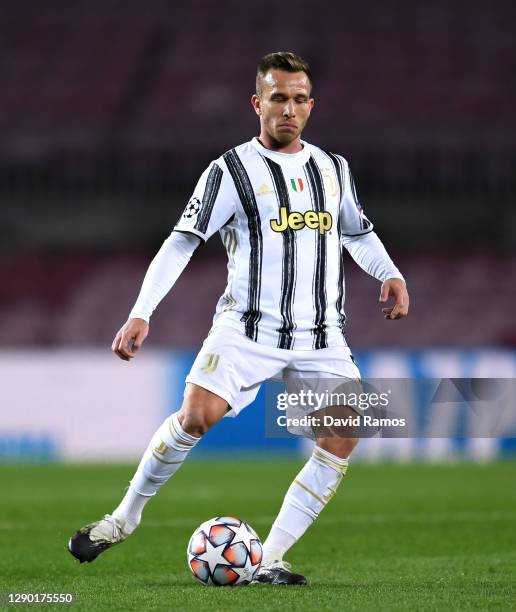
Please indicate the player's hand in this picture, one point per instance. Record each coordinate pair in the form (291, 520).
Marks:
(396, 288)
(129, 338)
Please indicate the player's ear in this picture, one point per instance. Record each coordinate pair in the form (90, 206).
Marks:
(311, 103)
(256, 102)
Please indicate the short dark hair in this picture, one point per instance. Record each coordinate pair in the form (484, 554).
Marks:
(281, 60)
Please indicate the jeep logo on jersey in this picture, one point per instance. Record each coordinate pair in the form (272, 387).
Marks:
(320, 220)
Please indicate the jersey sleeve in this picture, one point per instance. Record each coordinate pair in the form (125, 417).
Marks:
(212, 204)
(353, 221)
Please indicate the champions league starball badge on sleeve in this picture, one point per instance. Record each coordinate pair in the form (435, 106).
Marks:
(192, 208)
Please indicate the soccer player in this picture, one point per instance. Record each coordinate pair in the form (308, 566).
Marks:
(284, 209)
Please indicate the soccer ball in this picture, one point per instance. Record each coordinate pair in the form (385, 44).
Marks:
(224, 551)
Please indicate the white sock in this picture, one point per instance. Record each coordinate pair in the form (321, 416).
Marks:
(166, 452)
(311, 490)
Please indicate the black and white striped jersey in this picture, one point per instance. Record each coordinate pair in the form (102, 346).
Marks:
(281, 218)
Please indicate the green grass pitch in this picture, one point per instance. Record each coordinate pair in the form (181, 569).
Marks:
(395, 537)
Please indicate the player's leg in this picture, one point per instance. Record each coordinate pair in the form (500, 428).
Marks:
(168, 449)
(309, 493)
(319, 478)
(227, 372)
(165, 454)
(312, 489)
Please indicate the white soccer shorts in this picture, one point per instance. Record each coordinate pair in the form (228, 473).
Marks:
(233, 367)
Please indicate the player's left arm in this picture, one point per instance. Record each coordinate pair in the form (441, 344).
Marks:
(396, 288)
(370, 254)
(362, 243)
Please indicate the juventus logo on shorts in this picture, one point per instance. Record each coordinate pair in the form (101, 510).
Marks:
(211, 364)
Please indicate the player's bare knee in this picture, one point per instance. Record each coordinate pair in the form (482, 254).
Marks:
(201, 410)
(194, 421)
(339, 446)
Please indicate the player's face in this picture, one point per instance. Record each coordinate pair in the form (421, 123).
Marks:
(284, 106)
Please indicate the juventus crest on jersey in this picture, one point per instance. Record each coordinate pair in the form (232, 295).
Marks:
(281, 217)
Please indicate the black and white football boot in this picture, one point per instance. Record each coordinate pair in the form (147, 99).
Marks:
(93, 539)
(278, 572)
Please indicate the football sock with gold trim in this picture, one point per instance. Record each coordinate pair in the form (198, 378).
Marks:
(311, 490)
(164, 456)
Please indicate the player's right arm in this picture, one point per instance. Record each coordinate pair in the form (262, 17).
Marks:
(129, 338)
(209, 208)
(161, 276)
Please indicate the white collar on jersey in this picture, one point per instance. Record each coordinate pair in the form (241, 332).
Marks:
(301, 157)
